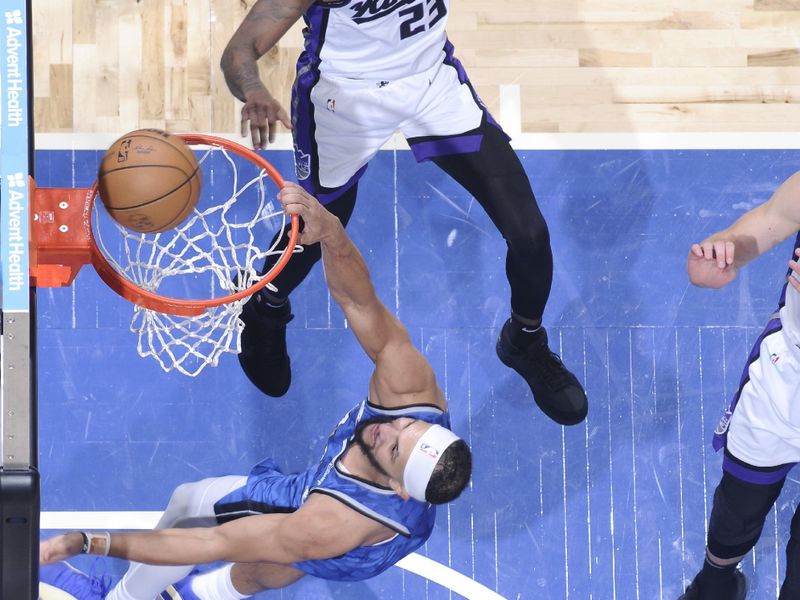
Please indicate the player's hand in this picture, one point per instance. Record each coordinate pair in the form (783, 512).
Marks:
(60, 547)
(711, 263)
(794, 276)
(318, 223)
(261, 114)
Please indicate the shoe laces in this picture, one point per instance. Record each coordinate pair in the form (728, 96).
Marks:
(551, 370)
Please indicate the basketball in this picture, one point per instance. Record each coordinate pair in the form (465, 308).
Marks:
(149, 180)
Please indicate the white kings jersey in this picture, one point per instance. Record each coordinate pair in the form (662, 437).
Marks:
(790, 307)
(375, 39)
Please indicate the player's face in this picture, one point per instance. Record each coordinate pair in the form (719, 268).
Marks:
(390, 442)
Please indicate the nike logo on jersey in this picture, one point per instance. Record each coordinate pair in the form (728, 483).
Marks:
(369, 10)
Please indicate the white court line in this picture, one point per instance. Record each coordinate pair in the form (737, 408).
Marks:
(522, 141)
(447, 577)
(99, 519)
(413, 563)
(510, 112)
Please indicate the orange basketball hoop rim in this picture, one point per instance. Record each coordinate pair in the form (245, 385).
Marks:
(62, 241)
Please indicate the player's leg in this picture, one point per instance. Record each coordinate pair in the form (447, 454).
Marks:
(791, 583)
(233, 582)
(191, 505)
(754, 432)
(334, 140)
(737, 518)
(264, 357)
(494, 175)
(454, 129)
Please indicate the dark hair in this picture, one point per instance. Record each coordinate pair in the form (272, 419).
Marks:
(451, 474)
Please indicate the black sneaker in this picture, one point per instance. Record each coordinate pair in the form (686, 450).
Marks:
(738, 590)
(264, 358)
(556, 391)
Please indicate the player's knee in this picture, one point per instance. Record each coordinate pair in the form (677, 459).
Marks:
(528, 238)
(520, 220)
(738, 515)
(182, 499)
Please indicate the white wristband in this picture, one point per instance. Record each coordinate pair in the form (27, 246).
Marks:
(90, 545)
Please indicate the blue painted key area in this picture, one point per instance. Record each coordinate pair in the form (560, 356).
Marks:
(614, 508)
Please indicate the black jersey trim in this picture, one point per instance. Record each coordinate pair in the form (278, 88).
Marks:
(406, 408)
(381, 489)
(363, 510)
(245, 508)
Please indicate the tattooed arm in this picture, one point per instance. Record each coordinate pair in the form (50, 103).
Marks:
(261, 29)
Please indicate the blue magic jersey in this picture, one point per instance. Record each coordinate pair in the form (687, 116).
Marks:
(268, 491)
(375, 39)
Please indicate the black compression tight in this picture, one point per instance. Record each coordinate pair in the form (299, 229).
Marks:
(495, 177)
(738, 514)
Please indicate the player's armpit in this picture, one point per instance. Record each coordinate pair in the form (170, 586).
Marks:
(325, 527)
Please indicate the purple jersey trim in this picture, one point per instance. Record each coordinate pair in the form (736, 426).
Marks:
(721, 432)
(451, 60)
(751, 475)
(316, 19)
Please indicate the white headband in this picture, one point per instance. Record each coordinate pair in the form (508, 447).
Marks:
(424, 457)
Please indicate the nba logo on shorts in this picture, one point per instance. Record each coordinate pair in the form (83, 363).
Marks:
(724, 422)
(302, 163)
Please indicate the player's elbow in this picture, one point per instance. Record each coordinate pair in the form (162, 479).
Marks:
(213, 544)
(231, 56)
(242, 48)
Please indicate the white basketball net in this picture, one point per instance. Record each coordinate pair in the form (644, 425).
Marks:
(219, 250)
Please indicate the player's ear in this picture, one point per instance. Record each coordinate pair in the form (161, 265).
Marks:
(398, 489)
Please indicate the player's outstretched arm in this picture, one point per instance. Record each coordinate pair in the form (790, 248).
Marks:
(262, 28)
(714, 261)
(402, 374)
(321, 528)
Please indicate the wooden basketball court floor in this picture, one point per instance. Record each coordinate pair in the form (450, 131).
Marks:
(614, 508)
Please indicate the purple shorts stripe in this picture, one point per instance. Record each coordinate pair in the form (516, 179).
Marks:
(721, 432)
(445, 145)
(753, 475)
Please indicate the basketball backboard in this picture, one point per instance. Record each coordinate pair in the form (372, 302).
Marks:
(19, 481)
